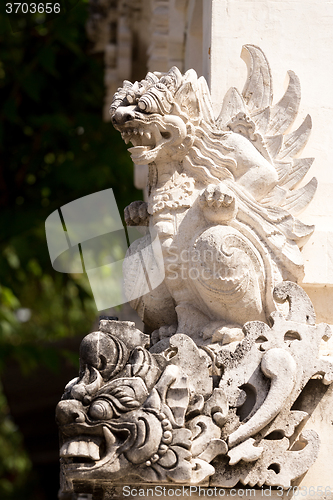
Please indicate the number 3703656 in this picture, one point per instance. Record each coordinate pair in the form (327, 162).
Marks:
(32, 8)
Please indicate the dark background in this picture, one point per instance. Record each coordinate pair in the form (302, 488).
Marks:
(55, 148)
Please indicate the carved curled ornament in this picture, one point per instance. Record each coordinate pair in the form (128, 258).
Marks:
(211, 395)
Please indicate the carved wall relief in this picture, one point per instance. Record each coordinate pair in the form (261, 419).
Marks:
(209, 396)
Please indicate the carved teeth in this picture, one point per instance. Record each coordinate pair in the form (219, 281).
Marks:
(157, 135)
(83, 449)
(232, 281)
(73, 449)
(233, 284)
(93, 450)
(80, 448)
(125, 137)
(141, 138)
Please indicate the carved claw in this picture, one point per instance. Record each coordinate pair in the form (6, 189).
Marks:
(163, 332)
(218, 196)
(136, 214)
(218, 203)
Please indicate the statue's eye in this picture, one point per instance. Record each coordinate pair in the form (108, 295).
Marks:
(143, 105)
(101, 410)
(149, 103)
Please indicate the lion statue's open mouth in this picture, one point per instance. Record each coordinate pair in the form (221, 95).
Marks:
(147, 137)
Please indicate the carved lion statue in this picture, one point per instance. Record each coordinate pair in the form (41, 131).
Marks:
(221, 198)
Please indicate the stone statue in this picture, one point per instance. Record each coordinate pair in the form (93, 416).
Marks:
(221, 196)
(212, 395)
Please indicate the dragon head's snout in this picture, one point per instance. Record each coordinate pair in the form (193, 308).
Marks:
(122, 115)
(69, 411)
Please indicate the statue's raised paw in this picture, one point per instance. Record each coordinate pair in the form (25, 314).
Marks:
(218, 196)
(218, 203)
(136, 214)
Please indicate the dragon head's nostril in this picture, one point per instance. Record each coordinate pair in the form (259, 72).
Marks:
(122, 115)
(69, 411)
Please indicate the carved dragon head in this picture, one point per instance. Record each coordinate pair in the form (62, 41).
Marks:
(101, 416)
(113, 419)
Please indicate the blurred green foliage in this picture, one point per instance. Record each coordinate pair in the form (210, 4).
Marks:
(55, 148)
(14, 462)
